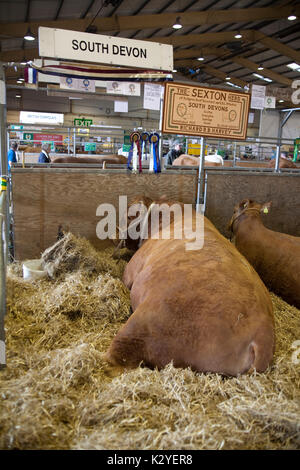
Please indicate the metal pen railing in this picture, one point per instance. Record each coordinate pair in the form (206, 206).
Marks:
(3, 264)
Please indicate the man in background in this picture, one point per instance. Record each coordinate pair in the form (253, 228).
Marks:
(174, 153)
(44, 155)
(12, 155)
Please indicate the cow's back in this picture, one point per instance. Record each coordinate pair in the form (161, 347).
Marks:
(276, 258)
(206, 309)
(283, 163)
(190, 160)
(186, 160)
(110, 158)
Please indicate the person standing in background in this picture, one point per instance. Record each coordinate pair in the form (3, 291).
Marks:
(44, 155)
(12, 156)
(174, 153)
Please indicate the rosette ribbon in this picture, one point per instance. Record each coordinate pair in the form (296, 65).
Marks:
(154, 164)
(144, 139)
(135, 154)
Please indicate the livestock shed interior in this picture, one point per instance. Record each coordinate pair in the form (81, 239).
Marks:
(119, 342)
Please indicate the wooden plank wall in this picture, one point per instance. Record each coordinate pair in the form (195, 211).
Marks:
(45, 198)
(226, 189)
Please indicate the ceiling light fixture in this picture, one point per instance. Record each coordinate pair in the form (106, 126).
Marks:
(18, 96)
(177, 24)
(262, 78)
(292, 16)
(260, 67)
(294, 66)
(232, 84)
(227, 78)
(29, 36)
(238, 35)
(280, 101)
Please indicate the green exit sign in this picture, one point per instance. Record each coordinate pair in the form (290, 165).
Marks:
(82, 122)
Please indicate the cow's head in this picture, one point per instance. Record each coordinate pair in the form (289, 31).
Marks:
(248, 206)
(138, 226)
(130, 234)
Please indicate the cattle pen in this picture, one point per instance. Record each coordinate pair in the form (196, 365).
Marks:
(67, 331)
(37, 201)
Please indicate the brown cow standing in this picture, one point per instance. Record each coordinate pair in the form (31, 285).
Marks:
(274, 255)
(206, 309)
(118, 159)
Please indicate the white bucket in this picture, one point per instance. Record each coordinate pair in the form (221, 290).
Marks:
(32, 269)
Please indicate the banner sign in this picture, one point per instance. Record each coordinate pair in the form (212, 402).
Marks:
(77, 84)
(31, 117)
(203, 111)
(88, 47)
(57, 138)
(123, 88)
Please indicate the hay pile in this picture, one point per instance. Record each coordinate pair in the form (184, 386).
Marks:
(57, 392)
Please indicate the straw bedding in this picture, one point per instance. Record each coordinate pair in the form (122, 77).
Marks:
(57, 392)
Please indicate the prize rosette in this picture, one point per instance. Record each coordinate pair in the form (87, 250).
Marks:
(154, 153)
(144, 139)
(135, 154)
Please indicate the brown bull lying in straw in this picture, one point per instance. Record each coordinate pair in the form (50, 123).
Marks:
(204, 308)
(275, 256)
(119, 159)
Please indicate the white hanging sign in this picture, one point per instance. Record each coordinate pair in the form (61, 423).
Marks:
(258, 93)
(152, 95)
(88, 47)
(251, 118)
(121, 106)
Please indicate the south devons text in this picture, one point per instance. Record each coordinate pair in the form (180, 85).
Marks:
(114, 49)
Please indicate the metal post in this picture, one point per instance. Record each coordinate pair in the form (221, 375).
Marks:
(7, 140)
(74, 142)
(277, 157)
(234, 153)
(200, 197)
(69, 137)
(282, 122)
(205, 193)
(3, 214)
(160, 145)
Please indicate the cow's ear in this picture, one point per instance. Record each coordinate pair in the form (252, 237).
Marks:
(266, 207)
(244, 203)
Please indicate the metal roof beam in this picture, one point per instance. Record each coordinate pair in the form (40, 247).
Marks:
(164, 20)
(221, 53)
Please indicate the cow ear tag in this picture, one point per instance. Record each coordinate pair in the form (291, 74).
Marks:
(266, 210)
